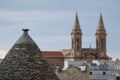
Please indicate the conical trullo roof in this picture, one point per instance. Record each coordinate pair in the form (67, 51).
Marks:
(25, 61)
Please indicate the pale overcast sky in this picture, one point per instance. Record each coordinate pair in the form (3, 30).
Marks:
(51, 21)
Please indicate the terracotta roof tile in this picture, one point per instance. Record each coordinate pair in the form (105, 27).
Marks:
(52, 53)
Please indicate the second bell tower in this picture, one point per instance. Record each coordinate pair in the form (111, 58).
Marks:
(101, 37)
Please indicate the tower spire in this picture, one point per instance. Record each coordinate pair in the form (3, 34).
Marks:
(101, 23)
(76, 22)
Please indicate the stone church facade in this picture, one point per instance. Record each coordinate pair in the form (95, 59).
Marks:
(78, 53)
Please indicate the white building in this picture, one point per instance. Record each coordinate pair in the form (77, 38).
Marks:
(106, 70)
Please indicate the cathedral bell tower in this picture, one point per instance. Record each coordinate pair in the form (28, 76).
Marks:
(76, 37)
(101, 37)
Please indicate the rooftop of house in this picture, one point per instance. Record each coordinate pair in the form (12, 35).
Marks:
(53, 53)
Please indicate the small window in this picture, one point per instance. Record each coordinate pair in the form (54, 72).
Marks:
(72, 54)
(102, 43)
(90, 73)
(104, 73)
(77, 43)
(77, 46)
(118, 78)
